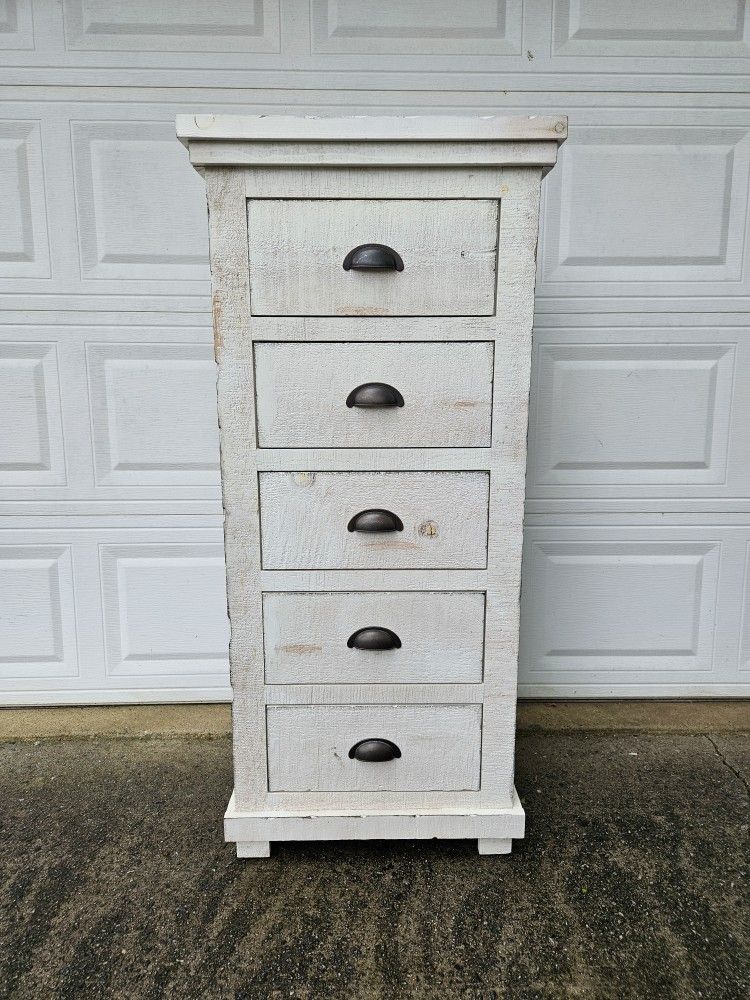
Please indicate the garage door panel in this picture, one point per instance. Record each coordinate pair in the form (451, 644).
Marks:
(164, 610)
(637, 570)
(474, 27)
(139, 214)
(17, 25)
(92, 613)
(24, 246)
(613, 610)
(633, 414)
(302, 43)
(623, 605)
(31, 444)
(38, 635)
(619, 413)
(648, 210)
(641, 28)
(153, 414)
(108, 415)
(141, 25)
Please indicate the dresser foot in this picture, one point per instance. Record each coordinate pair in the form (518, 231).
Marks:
(493, 845)
(253, 849)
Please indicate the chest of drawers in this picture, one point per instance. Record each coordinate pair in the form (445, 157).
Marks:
(373, 286)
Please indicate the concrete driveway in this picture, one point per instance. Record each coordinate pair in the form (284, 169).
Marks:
(632, 883)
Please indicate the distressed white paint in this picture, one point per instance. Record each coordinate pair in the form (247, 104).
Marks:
(297, 249)
(302, 391)
(389, 129)
(245, 826)
(294, 739)
(305, 637)
(308, 748)
(304, 518)
(373, 694)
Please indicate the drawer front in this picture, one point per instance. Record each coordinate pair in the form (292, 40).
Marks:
(305, 519)
(306, 395)
(308, 747)
(324, 638)
(297, 250)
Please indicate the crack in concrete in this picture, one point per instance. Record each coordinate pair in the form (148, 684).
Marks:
(738, 774)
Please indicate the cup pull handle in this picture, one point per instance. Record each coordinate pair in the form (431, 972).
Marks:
(374, 751)
(375, 519)
(373, 637)
(373, 257)
(374, 395)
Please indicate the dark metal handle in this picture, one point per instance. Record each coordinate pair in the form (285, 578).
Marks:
(375, 520)
(374, 637)
(373, 257)
(374, 751)
(371, 395)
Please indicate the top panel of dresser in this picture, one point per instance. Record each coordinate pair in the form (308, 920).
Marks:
(426, 191)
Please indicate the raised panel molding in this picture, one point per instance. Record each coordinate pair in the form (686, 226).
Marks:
(473, 27)
(651, 210)
(31, 443)
(153, 414)
(676, 28)
(16, 24)
(655, 94)
(631, 414)
(633, 606)
(190, 25)
(141, 213)
(24, 247)
(37, 616)
(164, 609)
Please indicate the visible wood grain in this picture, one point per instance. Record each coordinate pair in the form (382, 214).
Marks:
(360, 182)
(373, 459)
(253, 849)
(301, 393)
(368, 328)
(297, 249)
(369, 824)
(298, 580)
(442, 637)
(515, 307)
(494, 845)
(304, 518)
(267, 153)
(231, 317)
(308, 747)
(372, 128)
(370, 693)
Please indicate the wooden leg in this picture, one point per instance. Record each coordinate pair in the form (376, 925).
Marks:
(253, 849)
(489, 845)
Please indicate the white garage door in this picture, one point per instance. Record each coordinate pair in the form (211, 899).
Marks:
(637, 557)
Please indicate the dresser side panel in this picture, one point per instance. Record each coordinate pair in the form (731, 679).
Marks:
(236, 405)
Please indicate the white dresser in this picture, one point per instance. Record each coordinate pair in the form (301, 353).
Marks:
(373, 290)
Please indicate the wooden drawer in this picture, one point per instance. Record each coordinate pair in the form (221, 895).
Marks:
(306, 396)
(309, 745)
(440, 637)
(305, 520)
(297, 250)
